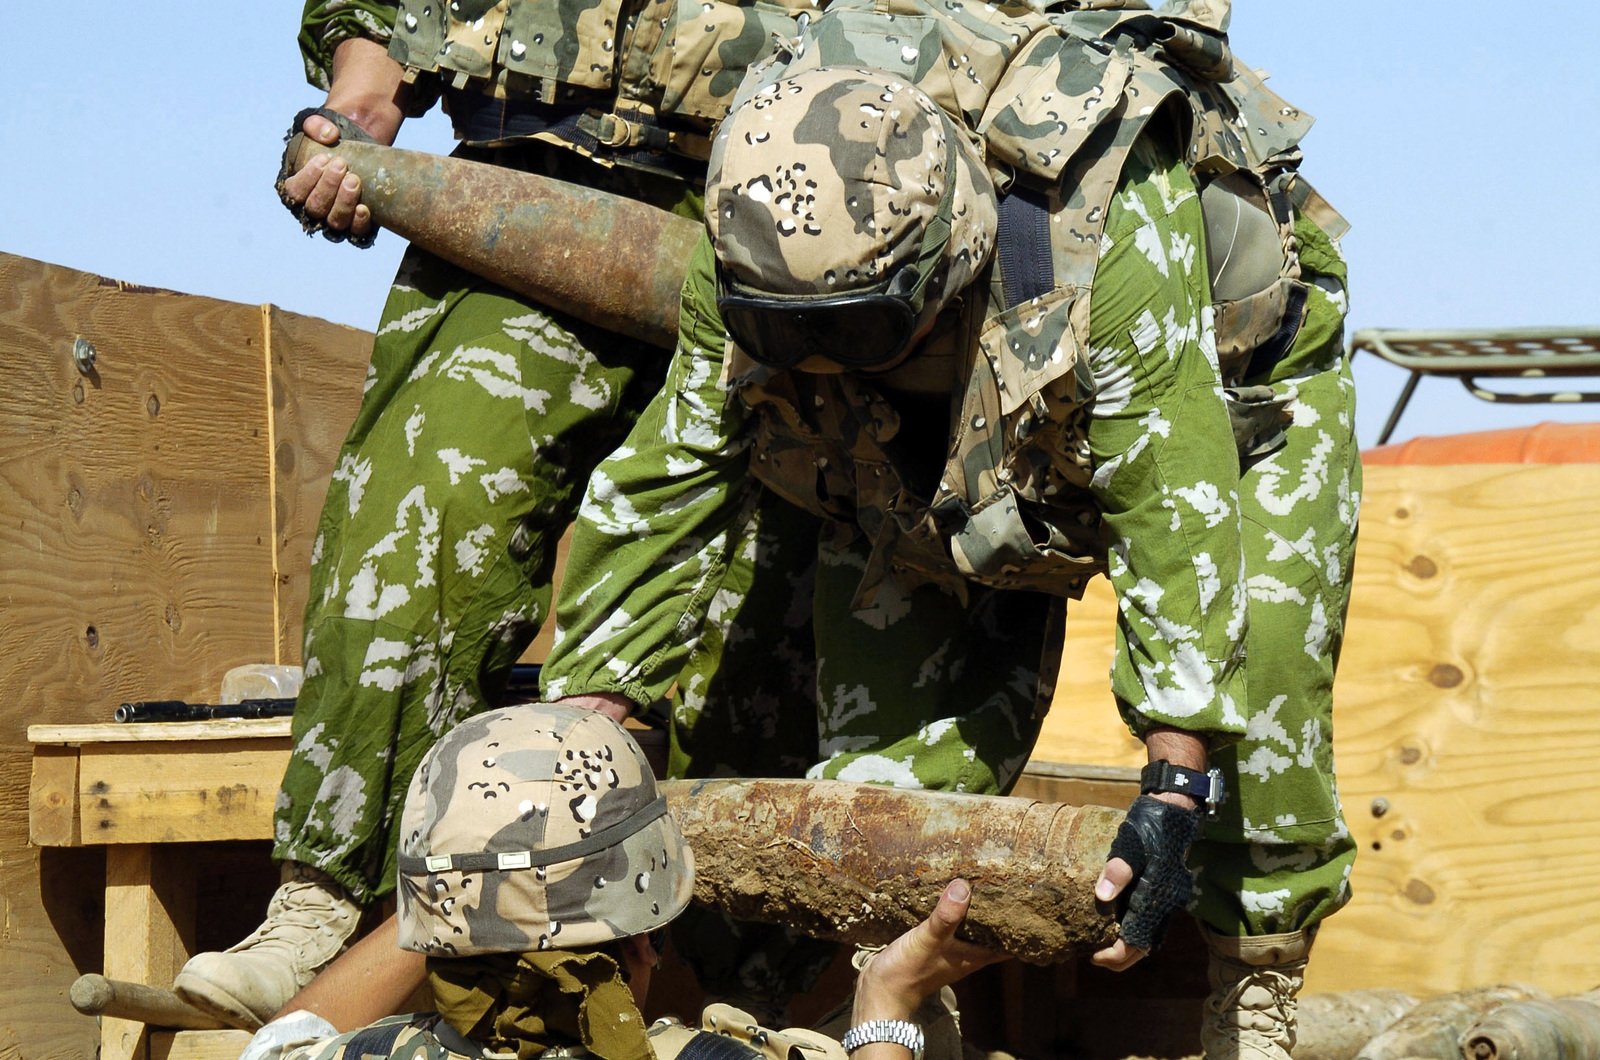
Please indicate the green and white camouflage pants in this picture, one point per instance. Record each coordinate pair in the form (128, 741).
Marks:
(481, 419)
(431, 568)
(920, 691)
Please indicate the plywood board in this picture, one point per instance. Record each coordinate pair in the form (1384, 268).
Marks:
(134, 518)
(1083, 726)
(1465, 732)
(137, 491)
(315, 376)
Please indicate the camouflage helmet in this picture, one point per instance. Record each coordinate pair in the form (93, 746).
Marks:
(833, 186)
(536, 827)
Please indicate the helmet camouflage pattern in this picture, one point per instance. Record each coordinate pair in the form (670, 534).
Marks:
(824, 182)
(536, 827)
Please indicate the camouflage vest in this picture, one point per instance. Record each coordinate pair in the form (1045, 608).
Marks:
(1059, 101)
(635, 75)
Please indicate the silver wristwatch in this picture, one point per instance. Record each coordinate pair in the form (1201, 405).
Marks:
(900, 1032)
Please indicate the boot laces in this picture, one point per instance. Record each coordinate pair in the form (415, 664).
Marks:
(299, 909)
(1261, 1000)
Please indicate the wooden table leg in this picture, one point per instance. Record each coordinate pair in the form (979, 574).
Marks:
(149, 931)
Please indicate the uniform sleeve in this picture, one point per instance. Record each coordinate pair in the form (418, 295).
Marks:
(325, 24)
(1166, 466)
(299, 1035)
(659, 518)
(1212, 14)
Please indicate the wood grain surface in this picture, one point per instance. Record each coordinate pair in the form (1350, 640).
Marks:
(142, 544)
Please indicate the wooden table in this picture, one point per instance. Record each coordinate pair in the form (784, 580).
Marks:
(135, 789)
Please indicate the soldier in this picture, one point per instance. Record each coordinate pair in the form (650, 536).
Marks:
(538, 865)
(482, 416)
(975, 328)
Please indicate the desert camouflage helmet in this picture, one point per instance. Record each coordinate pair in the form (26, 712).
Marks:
(844, 181)
(536, 827)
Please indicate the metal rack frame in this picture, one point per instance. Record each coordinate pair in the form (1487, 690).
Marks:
(1474, 355)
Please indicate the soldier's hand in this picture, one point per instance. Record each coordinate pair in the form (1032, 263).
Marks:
(325, 188)
(1147, 854)
(367, 89)
(921, 961)
(613, 705)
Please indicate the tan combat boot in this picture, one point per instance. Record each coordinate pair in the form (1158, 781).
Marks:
(1250, 1014)
(309, 922)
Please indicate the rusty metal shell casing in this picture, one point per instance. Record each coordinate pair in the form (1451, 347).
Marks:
(609, 260)
(864, 862)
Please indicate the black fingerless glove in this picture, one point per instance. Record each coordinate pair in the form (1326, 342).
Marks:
(348, 130)
(1154, 840)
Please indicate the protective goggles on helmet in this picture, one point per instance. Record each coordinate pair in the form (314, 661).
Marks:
(859, 330)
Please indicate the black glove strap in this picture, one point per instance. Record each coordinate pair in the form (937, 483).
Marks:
(1154, 840)
(348, 130)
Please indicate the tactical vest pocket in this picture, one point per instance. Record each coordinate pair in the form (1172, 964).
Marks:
(1010, 543)
(1260, 416)
(707, 55)
(1035, 343)
(1265, 321)
(569, 41)
(784, 457)
(1055, 93)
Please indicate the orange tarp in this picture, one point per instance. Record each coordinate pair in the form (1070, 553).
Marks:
(1544, 443)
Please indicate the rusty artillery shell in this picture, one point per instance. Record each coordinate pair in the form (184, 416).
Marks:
(1560, 1027)
(612, 261)
(865, 862)
(1436, 1027)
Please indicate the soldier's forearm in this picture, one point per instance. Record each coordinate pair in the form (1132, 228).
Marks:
(1187, 749)
(1181, 748)
(372, 979)
(368, 88)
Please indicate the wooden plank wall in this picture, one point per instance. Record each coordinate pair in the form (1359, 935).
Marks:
(1466, 730)
(156, 516)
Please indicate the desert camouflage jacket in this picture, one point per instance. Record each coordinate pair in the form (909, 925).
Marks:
(614, 79)
(1058, 99)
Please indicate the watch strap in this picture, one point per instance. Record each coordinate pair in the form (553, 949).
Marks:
(900, 1032)
(1162, 776)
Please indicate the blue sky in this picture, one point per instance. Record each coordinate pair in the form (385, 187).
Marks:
(1457, 137)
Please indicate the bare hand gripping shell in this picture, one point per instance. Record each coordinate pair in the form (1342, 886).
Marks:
(536, 827)
(1154, 840)
(348, 130)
